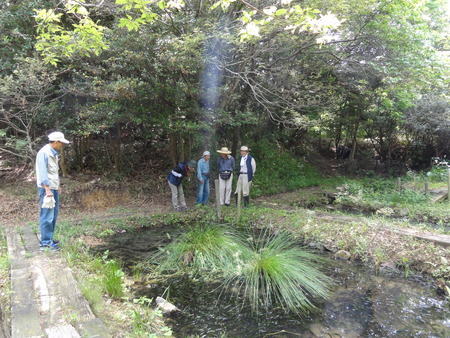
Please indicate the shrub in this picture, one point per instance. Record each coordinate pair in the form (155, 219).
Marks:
(278, 170)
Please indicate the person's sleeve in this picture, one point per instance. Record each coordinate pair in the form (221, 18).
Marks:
(42, 163)
(233, 163)
(177, 171)
(199, 170)
(254, 166)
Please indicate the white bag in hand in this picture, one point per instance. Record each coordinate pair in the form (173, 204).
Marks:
(49, 202)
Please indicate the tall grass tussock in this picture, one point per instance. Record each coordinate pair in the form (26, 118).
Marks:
(266, 271)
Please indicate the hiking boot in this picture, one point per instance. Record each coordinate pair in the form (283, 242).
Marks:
(49, 247)
(55, 242)
(246, 201)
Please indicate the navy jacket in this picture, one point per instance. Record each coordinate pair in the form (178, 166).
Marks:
(249, 167)
(180, 169)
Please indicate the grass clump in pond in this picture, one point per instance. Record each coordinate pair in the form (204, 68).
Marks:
(204, 248)
(275, 270)
(271, 270)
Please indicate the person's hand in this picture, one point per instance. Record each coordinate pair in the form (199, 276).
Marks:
(201, 181)
(48, 193)
(49, 202)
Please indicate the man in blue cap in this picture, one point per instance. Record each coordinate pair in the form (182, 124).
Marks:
(203, 176)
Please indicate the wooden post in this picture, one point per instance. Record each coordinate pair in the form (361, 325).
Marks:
(219, 207)
(239, 188)
(448, 186)
(399, 184)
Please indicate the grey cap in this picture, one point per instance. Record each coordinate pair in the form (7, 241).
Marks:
(192, 163)
(206, 153)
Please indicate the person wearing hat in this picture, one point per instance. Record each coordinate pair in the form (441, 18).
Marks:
(175, 180)
(247, 168)
(47, 179)
(203, 176)
(225, 164)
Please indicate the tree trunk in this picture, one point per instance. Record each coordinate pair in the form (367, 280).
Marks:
(181, 150)
(235, 141)
(62, 163)
(173, 151)
(354, 141)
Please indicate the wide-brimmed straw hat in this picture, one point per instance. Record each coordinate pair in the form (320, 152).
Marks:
(224, 150)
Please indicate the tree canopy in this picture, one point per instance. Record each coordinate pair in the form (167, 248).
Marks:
(144, 77)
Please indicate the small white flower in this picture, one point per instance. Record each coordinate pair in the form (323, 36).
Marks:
(252, 29)
(270, 10)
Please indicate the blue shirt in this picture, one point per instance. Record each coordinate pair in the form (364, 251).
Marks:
(226, 164)
(42, 163)
(202, 168)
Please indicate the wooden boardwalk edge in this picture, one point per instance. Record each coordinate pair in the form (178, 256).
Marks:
(44, 293)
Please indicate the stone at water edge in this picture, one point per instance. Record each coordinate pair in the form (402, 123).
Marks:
(165, 306)
(342, 254)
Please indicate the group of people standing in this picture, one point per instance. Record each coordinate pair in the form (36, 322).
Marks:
(226, 166)
(47, 179)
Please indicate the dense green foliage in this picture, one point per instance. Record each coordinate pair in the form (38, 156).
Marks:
(130, 80)
(280, 171)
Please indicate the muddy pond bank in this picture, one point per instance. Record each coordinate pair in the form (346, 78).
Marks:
(362, 303)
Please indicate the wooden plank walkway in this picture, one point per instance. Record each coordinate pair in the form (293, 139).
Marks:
(45, 298)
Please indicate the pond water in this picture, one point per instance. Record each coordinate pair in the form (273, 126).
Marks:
(362, 303)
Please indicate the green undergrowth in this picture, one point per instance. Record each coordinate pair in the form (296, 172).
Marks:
(100, 278)
(279, 170)
(382, 196)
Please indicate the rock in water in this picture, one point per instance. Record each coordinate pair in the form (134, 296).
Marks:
(165, 306)
(342, 254)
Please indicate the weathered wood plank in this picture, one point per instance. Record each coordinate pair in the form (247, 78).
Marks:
(93, 328)
(25, 319)
(442, 240)
(439, 197)
(59, 294)
(66, 331)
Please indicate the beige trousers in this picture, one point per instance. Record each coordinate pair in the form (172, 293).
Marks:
(244, 184)
(177, 194)
(225, 190)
